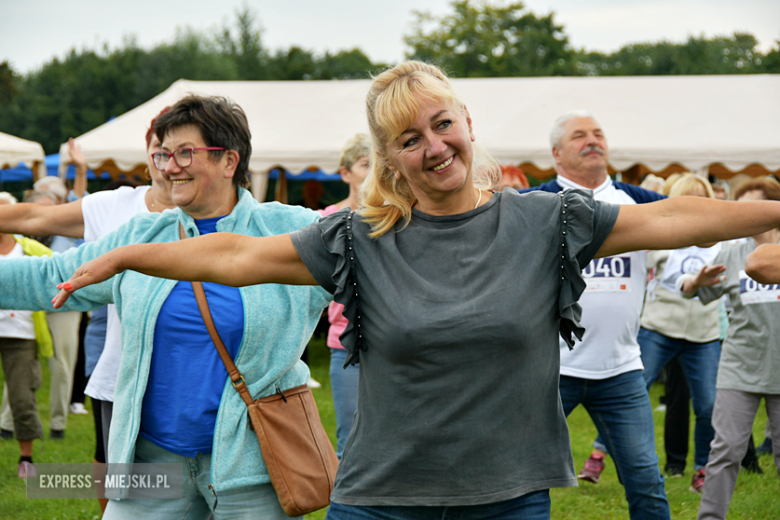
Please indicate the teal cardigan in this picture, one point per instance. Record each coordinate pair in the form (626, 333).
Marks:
(278, 322)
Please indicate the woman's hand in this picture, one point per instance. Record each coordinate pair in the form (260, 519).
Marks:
(76, 156)
(707, 277)
(95, 271)
(80, 184)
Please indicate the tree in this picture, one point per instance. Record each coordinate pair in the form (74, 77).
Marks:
(345, 65)
(8, 83)
(483, 40)
(771, 62)
(245, 50)
(735, 54)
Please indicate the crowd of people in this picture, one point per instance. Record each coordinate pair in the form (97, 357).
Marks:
(452, 373)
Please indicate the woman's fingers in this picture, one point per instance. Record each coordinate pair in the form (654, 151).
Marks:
(711, 275)
(74, 150)
(92, 272)
(60, 299)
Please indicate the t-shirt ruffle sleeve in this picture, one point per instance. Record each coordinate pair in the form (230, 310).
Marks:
(338, 239)
(327, 251)
(585, 224)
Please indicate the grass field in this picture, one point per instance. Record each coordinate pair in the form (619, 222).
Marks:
(756, 497)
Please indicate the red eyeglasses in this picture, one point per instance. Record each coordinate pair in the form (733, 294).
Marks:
(181, 156)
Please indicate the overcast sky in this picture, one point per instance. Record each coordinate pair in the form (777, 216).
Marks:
(34, 31)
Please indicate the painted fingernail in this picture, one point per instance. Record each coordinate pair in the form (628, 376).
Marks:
(67, 287)
(53, 299)
(59, 286)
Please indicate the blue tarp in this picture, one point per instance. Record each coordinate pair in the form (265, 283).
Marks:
(23, 173)
(306, 175)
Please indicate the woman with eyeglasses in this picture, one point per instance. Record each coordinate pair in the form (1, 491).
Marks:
(174, 402)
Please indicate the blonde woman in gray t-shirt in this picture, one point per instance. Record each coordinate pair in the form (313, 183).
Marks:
(458, 403)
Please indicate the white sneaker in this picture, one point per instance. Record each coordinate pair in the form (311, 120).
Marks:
(312, 383)
(78, 409)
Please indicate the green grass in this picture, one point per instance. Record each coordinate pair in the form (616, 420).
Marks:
(756, 496)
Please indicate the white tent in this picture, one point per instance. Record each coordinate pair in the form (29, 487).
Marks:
(696, 122)
(14, 150)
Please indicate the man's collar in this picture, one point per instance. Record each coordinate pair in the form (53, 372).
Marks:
(568, 184)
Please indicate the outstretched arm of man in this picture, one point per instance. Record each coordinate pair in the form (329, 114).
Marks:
(763, 264)
(225, 258)
(685, 221)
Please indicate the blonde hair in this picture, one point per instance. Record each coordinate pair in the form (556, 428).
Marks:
(670, 180)
(393, 105)
(652, 183)
(688, 183)
(359, 145)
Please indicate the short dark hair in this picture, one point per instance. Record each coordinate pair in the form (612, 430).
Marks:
(221, 123)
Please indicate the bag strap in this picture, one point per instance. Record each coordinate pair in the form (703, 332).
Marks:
(239, 383)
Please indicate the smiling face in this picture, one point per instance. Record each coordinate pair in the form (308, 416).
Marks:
(434, 155)
(204, 189)
(582, 155)
(160, 183)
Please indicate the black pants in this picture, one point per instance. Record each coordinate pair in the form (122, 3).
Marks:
(677, 421)
(79, 373)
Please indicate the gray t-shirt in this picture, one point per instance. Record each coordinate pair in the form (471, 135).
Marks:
(750, 356)
(455, 321)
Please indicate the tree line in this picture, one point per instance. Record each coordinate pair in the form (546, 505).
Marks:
(71, 96)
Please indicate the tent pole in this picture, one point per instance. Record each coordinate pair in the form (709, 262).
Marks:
(281, 187)
(36, 170)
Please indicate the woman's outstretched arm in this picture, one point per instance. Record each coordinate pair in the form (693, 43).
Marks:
(685, 221)
(763, 264)
(225, 258)
(36, 220)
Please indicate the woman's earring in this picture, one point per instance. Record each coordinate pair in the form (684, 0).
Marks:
(397, 175)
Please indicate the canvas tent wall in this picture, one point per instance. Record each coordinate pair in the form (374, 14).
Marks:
(15, 151)
(717, 124)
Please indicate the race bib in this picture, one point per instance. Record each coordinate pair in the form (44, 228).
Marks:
(610, 274)
(750, 291)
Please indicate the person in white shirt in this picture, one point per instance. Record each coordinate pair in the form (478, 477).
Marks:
(604, 372)
(19, 353)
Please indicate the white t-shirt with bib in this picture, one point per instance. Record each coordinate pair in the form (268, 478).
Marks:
(611, 306)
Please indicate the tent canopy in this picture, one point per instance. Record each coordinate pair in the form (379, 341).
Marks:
(15, 151)
(655, 121)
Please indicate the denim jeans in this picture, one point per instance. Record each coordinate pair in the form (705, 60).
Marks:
(251, 502)
(699, 362)
(533, 506)
(344, 386)
(620, 409)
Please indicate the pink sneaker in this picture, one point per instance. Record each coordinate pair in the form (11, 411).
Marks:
(26, 469)
(593, 468)
(697, 482)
